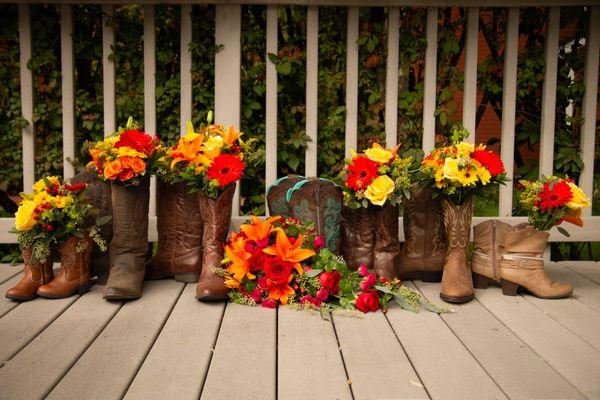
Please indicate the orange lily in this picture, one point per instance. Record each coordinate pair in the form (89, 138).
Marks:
(231, 135)
(259, 230)
(281, 292)
(289, 252)
(575, 218)
(239, 257)
(187, 149)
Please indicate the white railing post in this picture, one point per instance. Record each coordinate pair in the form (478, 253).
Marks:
(470, 89)
(108, 71)
(68, 88)
(391, 78)
(352, 81)
(28, 132)
(429, 89)
(150, 88)
(185, 66)
(312, 89)
(271, 100)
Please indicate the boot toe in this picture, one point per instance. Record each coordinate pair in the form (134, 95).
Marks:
(18, 296)
(114, 293)
(204, 293)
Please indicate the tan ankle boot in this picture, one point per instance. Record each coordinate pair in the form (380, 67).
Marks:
(36, 273)
(522, 264)
(488, 243)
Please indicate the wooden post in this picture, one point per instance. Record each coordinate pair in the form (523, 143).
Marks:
(186, 66)
(28, 131)
(312, 89)
(352, 81)
(391, 78)
(108, 71)
(68, 88)
(470, 90)
(429, 90)
(150, 88)
(271, 100)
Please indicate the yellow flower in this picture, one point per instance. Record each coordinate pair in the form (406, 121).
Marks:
(439, 178)
(465, 149)
(451, 169)
(579, 200)
(484, 175)
(379, 154)
(214, 142)
(62, 201)
(24, 220)
(467, 176)
(379, 190)
(129, 152)
(41, 198)
(41, 184)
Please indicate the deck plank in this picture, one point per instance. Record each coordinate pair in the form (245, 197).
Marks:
(589, 269)
(177, 364)
(573, 358)
(309, 361)
(39, 366)
(377, 366)
(7, 271)
(244, 360)
(435, 351)
(585, 290)
(108, 366)
(7, 304)
(514, 366)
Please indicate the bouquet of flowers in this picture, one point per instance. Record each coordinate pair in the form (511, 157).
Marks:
(126, 157)
(55, 212)
(550, 201)
(376, 176)
(281, 261)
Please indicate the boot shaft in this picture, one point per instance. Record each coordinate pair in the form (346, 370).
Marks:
(216, 214)
(37, 271)
(423, 226)
(525, 240)
(75, 257)
(457, 224)
(130, 218)
(358, 237)
(276, 195)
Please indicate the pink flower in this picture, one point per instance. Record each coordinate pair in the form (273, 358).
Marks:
(310, 299)
(322, 294)
(368, 282)
(307, 268)
(330, 281)
(262, 282)
(256, 295)
(262, 243)
(363, 270)
(249, 247)
(319, 243)
(269, 303)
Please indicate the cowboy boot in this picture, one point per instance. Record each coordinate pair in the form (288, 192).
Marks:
(35, 274)
(74, 273)
(358, 237)
(386, 251)
(422, 255)
(216, 214)
(457, 283)
(522, 264)
(179, 234)
(488, 245)
(276, 195)
(97, 194)
(319, 201)
(129, 244)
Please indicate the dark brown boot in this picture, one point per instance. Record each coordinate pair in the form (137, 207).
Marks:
(74, 274)
(422, 256)
(457, 283)
(129, 244)
(387, 245)
(358, 237)
(319, 201)
(35, 274)
(216, 214)
(276, 195)
(179, 234)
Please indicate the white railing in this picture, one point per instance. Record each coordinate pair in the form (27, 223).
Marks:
(228, 87)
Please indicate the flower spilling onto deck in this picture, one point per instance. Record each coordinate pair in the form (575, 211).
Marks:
(551, 200)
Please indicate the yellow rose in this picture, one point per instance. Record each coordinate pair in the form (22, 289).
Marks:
(379, 190)
(214, 142)
(41, 184)
(465, 149)
(579, 200)
(379, 154)
(24, 220)
(451, 169)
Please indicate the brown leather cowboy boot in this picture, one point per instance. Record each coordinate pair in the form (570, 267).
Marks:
(129, 244)
(74, 273)
(457, 283)
(179, 234)
(36, 274)
(386, 252)
(358, 237)
(422, 255)
(216, 214)
(488, 243)
(276, 195)
(522, 264)
(319, 201)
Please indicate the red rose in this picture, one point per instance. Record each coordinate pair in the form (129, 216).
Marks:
(490, 161)
(319, 243)
(256, 295)
(361, 172)
(136, 140)
(277, 270)
(368, 301)
(368, 282)
(269, 303)
(330, 281)
(363, 270)
(257, 260)
(322, 294)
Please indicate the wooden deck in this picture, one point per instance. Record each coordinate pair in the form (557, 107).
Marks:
(169, 345)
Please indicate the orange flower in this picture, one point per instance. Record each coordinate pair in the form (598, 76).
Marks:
(575, 218)
(112, 169)
(138, 165)
(239, 257)
(231, 135)
(96, 154)
(187, 149)
(259, 231)
(125, 161)
(126, 174)
(288, 251)
(281, 292)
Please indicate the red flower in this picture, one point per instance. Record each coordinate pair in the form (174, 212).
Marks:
(368, 301)
(363, 270)
(490, 161)
(322, 294)
(226, 168)
(555, 194)
(330, 281)
(277, 270)
(362, 171)
(269, 303)
(136, 140)
(319, 243)
(256, 295)
(76, 187)
(257, 260)
(368, 282)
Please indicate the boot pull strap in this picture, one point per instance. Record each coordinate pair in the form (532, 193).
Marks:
(522, 262)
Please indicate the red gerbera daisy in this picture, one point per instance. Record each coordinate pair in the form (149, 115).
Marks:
(490, 161)
(136, 140)
(226, 168)
(554, 194)
(361, 172)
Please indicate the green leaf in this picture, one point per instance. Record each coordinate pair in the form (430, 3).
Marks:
(104, 219)
(563, 231)
(324, 313)
(312, 273)
(383, 289)
(403, 303)
(284, 68)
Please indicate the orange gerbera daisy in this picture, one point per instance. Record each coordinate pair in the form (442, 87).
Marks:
(288, 251)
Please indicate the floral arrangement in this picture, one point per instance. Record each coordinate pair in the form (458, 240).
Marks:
(126, 157)
(281, 261)
(550, 201)
(461, 169)
(376, 176)
(208, 160)
(53, 213)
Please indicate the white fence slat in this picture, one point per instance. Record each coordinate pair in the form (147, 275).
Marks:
(470, 89)
(271, 100)
(68, 88)
(185, 66)
(391, 78)
(352, 81)
(429, 89)
(228, 63)
(108, 71)
(28, 131)
(588, 130)
(312, 88)
(150, 88)
(549, 92)
(509, 101)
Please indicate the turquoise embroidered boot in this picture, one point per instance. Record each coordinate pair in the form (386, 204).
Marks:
(276, 195)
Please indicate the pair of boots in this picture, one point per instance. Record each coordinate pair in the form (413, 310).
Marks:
(38, 277)
(513, 257)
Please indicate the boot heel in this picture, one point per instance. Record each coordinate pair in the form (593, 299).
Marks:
(509, 288)
(431, 276)
(480, 281)
(86, 288)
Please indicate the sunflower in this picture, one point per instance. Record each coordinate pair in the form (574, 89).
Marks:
(226, 169)
(467, 176)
